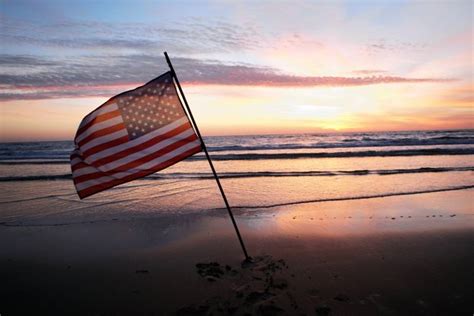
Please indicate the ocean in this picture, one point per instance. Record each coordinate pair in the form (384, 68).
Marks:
(258, 172)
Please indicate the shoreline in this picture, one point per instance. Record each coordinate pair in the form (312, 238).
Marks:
(241, 209)
(353, 264)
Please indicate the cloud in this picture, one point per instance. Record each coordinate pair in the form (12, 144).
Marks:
(100, 76)
(369, 72)
(385, 45)
(22, 61)
(105, 56)
(193, 37)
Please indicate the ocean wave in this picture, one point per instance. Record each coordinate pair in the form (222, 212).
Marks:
(346, 154)
(234, 175)
(356, 197)
(39, 161)
(60, 150)
(242, 210)
(352, 143)
(289, 155)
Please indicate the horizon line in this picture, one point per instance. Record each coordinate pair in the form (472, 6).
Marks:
(277, 134)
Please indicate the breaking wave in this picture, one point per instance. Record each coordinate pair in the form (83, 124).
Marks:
(231, 175)
(290, 155)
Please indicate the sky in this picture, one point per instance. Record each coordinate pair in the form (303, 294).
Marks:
(246, 67)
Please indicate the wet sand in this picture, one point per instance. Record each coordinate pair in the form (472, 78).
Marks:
(406, 255)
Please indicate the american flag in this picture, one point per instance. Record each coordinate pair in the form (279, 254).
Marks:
(130, 136)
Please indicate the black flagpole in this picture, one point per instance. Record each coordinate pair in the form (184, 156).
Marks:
(207, 156)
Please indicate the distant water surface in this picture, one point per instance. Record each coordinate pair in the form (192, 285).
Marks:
(257, 171)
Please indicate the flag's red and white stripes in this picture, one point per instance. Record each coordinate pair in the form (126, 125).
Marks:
(106, 155)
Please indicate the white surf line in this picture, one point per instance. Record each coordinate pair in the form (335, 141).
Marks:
(362, 197)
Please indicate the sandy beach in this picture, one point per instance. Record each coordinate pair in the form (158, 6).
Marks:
(410, 255)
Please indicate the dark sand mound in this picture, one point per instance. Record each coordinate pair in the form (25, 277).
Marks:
(261, 286)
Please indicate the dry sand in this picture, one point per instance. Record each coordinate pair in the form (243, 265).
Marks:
(410, 255)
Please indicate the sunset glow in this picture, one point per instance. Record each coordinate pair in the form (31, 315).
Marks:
(246, 68)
